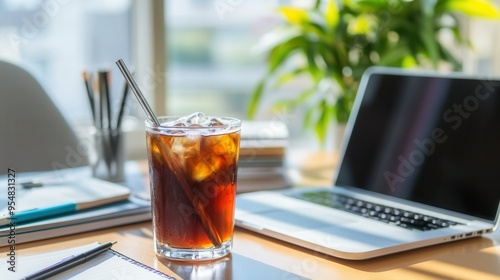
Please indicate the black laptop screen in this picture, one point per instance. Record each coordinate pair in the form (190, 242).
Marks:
(433, 140)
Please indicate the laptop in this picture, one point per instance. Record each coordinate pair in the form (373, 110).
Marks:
(419, 165)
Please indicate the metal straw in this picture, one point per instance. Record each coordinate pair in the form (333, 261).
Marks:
(198, 207)
(144, 103)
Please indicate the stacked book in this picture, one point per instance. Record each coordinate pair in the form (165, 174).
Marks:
(63, 202)
(262, 155)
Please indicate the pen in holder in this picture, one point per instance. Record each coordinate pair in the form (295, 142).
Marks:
(108, 157)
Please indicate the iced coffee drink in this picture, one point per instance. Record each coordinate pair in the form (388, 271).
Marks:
(193, 163)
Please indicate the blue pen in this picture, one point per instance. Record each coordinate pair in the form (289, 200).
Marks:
(39, 213)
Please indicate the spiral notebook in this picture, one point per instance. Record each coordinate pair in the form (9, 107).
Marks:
(109, 265)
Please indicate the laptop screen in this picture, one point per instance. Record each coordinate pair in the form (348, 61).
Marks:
(429, 139)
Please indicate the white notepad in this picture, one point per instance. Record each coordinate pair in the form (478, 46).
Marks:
(84, 192)
(108, 265)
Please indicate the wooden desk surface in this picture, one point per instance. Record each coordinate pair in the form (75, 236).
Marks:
(255, 255)
(258, 257)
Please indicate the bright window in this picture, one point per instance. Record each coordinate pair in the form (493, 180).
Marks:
(211, 65)
(57, 39)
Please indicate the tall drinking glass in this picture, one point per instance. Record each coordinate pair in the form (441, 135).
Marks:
(193, 169)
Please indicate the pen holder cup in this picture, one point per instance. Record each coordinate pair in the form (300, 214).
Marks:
(108, 157)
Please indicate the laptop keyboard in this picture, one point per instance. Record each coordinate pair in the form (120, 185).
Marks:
(391, 215)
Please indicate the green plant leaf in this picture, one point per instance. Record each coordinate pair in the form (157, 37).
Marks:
(289, 76)
(343, 107)
(428, 6)
(327, 53)
(275, 38)
(367, 6)
(305, 95)
(255, 99)
(281, 52)
(457, 34)
(314, 71)
(314, 30)
(474, 8)
(317, 4)
(308, 117)
(361, 25)
(341, 55)
(292, 104)
(283, 105)
(409, 62)
(332, 14)
(321, 126)
(394, 57)
(429, 40)
(373, 3)
(447, 56)
(295, 16)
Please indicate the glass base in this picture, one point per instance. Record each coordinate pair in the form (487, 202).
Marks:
(178, 254)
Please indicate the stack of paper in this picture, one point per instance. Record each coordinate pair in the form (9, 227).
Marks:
(262, 154)
(263, 143)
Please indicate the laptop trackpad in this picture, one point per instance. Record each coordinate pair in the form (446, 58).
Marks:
(300, 219)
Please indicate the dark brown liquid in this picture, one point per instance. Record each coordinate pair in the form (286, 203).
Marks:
(207, 165)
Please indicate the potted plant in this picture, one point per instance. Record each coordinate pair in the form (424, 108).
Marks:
(334, 42)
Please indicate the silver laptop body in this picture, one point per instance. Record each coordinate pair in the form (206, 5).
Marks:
(418, 145)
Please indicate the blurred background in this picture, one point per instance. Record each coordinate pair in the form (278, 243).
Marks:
(191, 55)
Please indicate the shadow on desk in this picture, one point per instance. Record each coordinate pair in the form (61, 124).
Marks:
(223, 269)
(234, 266)
(459, 253)
(476, 256)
